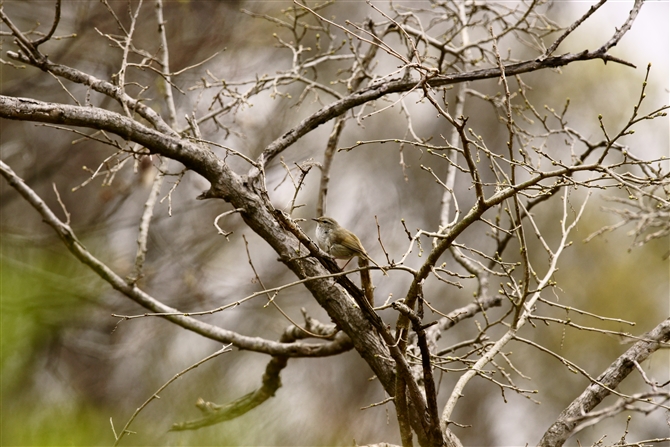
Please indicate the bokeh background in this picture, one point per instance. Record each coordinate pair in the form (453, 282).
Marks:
(68, 366)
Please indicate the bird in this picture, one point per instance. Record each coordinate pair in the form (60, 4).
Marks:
(339, 242)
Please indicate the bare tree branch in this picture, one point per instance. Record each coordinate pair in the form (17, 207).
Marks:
(579, 409)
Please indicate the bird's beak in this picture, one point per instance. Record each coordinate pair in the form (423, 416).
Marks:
(315, 220)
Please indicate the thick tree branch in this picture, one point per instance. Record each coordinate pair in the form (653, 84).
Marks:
(100, 86)
(563, 428)
(191, 155)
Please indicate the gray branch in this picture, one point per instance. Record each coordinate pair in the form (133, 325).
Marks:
(567, 421)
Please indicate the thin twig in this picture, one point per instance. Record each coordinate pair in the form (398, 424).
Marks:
(124, 431)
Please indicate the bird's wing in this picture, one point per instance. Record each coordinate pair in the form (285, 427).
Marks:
(355, 245)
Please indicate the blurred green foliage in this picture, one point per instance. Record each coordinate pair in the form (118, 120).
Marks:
(43, 293)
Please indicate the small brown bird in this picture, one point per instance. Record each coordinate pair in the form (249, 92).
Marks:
(339, 242)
